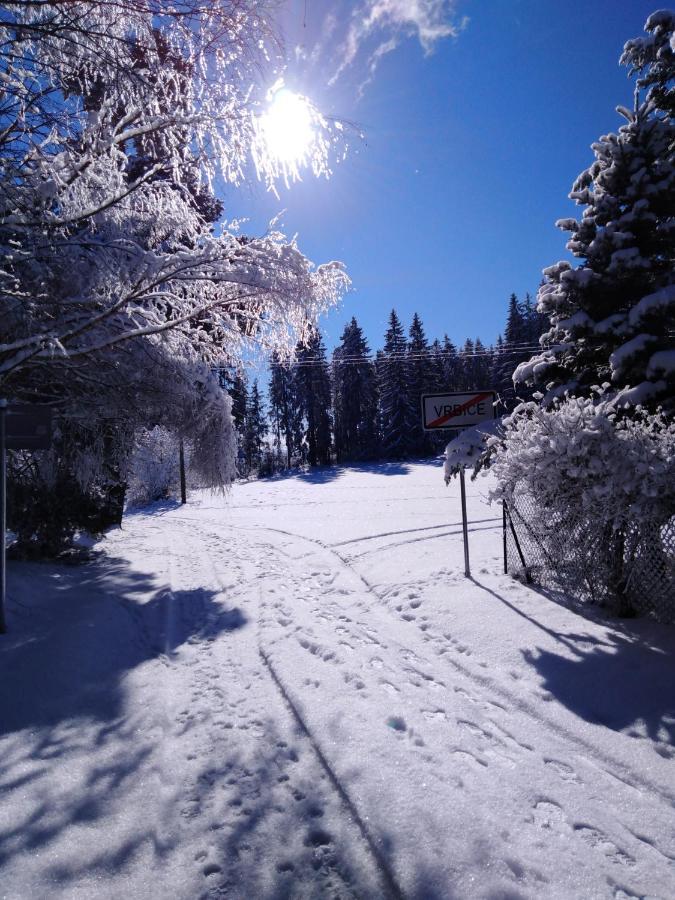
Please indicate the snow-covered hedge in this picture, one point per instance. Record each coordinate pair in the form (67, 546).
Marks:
(469, 449)
(582, 455)
(598, 487)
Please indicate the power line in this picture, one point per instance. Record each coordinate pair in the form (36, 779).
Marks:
(405, 356)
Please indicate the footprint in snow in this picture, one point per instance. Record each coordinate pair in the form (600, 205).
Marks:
(599, 841)
(435, 715)
(470, 758)
(548, 815)
(565, 772)
(211, 869)
(317, 837)
(396, 723)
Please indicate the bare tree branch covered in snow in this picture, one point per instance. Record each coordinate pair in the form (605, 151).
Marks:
(119, 290)
(115, 120)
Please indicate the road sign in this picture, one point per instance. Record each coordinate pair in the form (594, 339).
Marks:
(28, 426)
(444, 411)
(458, 411)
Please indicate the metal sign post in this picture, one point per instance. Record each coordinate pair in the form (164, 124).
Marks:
(465, 524)
(455, 412)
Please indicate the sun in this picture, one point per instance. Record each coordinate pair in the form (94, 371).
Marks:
(288, 128)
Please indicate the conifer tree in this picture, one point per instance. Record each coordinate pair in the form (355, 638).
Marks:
(313, 391)
(255, 428)
(419, 372)
(238, 391)
(392, 381)
(482, 365)
(436, 377)
(354, 397)
(466, 366)
(451, 366)
(283, 407)
(612, 317)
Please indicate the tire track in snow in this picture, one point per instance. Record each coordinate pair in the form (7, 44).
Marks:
(588, 749)
(387, 878)
(372, 537)
(430, 537)
(497, 744)
(393, 888)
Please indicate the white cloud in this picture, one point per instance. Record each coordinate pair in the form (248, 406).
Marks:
(377, 27)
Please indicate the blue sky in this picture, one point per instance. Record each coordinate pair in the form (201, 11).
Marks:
(449, 203)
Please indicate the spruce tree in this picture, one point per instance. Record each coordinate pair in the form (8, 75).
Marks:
(392, 379)
(466, 366)
(354, 397)
(238, 391)
(255, 428)
(283, 410)
(451, 366)
(612, 317)
(419, 378)
(436, 375)
(313, 391)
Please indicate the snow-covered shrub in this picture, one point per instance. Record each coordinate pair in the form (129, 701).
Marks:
(581, 454)
(154, 467)
(594, 476)
(469, 449)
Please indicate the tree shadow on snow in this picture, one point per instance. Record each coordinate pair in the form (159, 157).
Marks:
(71, 750)
(83, 629)
(623, 680)
(328, 474)
(623, 684)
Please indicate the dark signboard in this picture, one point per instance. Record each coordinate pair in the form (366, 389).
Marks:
(28, 426)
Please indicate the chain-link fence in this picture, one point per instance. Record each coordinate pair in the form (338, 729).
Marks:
(629, 570)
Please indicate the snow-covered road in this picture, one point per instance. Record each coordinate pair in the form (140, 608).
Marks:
(294, 691)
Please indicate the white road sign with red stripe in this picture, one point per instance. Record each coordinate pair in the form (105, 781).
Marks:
(457, 410)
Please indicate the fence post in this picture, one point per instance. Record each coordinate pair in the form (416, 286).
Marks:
(528, 577)
(506, 557)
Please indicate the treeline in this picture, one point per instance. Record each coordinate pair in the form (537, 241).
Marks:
(357, 406)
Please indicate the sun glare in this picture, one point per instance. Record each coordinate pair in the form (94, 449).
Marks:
(288, 128)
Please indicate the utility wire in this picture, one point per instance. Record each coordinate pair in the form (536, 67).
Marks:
(405, 356)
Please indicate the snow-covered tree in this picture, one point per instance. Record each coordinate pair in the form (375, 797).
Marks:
(313, 395)
(354, 396)
(95, 253)
(613, 316)
(284, 414)
(154, 467)
(392, 380)
(119, 294)
(451, 365)
(419, 382)
(255, 428)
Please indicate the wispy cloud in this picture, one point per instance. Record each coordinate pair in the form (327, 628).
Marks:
(377, 27)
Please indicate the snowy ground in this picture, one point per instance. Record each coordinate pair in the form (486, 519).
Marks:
(294, 692)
